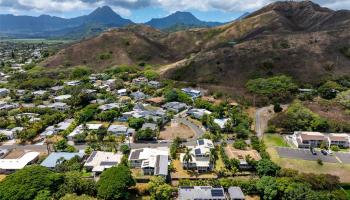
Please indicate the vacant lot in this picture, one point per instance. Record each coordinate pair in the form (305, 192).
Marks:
(337, 169)
(274, 140)
(171, 132)
(241, 154)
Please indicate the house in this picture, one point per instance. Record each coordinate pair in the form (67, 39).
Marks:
(151, 126)
(39, 93)
(201, 192)
(221, 122)
(98, 161)
(72, 83)
(137, 96)
(52, 160)
(8, 133)
(152, 161)
(200, 156)
(120, 130)
(57, 88)
(20, 92)
(303, 139)
(3, 153)
(175, 107)
(10, 165)
(339, 139)
(8, 106)
(4, 92)
(192, 92)
(62, 126)
(109, 106)
(80, 129)
(198, 113)
(235, 193)
(140, 81)
(154, 84)
(58, 106)
(122, 92)
(62, 98)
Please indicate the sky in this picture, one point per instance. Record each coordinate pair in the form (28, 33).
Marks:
(143, 10)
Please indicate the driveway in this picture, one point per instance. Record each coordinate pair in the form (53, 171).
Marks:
(305, 154)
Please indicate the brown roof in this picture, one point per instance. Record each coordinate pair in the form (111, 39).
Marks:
(156, 100)
(339, 137)
(312, 136)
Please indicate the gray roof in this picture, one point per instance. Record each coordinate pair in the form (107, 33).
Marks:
(150, 126)
(201, 192)
(161, 165)
(117, 128)
(235, 193)
(52, 159)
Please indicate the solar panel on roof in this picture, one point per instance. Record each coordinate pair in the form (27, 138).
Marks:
(197, 151)
(110, 163)
(200, 142)
(217, 193)
(92, 156)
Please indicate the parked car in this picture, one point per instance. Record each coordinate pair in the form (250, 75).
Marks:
(324, 152)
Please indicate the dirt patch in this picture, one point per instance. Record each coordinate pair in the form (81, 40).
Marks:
(241, 154)
(170, 132)
(328, 110)
(14, 154)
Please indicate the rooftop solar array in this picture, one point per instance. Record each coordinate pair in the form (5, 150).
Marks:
(217, 193)
(92, 156)
(197, 151)
(135, 154)
(200, 142)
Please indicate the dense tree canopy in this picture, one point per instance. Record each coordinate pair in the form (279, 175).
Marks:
(114, 183)
(25, 184)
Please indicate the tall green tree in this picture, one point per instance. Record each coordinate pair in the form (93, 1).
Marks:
(114, 183)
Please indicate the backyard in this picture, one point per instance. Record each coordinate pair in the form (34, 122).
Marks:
(274, 140)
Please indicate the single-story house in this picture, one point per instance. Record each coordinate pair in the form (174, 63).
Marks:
(4, 92)
(122, 92)
(52, 160)
(98, 161)
(109, 106)
(155, 84)
(120, 130)
(140, 81)
(152, 161)
(138, 95)
(79, 129)
(221, 122)
(198, 113)
(72, 83)
(10, 165)
(62, 98)
(175, 106)
(152, 126)
(39, 92)
(192, 92)
(201, 192)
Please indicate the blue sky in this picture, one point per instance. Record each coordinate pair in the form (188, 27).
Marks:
(144, 10)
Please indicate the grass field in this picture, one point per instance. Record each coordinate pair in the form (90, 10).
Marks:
(337, 169)
(275, 140)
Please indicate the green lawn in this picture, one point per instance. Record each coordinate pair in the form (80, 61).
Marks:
(275, 140)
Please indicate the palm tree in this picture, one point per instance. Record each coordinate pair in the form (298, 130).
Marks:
(188, 157)
(213, 156)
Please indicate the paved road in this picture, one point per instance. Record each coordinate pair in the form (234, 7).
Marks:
(198, 133)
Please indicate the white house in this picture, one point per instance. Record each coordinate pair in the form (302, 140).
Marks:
(98, 161)
(200, 156)
(221, 122)
(62, 98)
(72, 83)
(154, 84)
(120, 130)
(79, 129)
(11, 165)
(122, 92)
(152, 161)
(198, 113)
(192, 92)
(109, 106)
(201, 192)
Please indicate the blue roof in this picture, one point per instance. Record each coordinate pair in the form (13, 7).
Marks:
(51, 160)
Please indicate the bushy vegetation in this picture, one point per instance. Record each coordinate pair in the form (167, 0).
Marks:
(275, 88)
(297, 117)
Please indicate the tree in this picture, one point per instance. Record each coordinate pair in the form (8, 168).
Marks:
(188, 157)
(147, 134)
(76, 197)
(114, 183)
(266, 167)
(240, 144)
(213, 156)
(136, 123)
(74, 164)
(75, 183)
(159, 190)
(25, 184)
(274, 87)
(125, 149)
(277, 108)
(329, 90)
